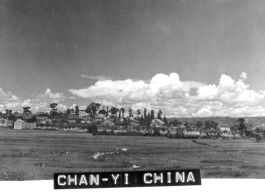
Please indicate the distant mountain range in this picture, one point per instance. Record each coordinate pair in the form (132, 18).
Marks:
(221, 120)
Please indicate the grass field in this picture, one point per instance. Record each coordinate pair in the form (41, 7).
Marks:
(35, 155)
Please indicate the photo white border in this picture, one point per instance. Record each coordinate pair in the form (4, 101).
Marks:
(208, 187)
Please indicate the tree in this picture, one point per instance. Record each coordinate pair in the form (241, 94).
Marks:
(26, 110)
(53, 112)
(92, 108)
(165, 120)
(107, 111)
(242, 126)
(207, 124)
(11, 116)
(159, 114)
(138, 112)
(175, 123)
(145, 113)
(122, 111)
(104, 112)
(130, 112)
(97, 106)
(199, 124)
(33, 119)
(53, 105)
(93, 129)
(152, 114)
(148, 119)
(141, 121)
(125, 122)
(113, 110)
(76, 110)
(68, 111)
(117, 110)
(186, 124)
(214, 124)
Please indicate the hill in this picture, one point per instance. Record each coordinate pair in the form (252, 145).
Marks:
(221, 120)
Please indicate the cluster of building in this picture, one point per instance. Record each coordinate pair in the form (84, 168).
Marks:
(20, 124)
(6, 123)
(118, 125)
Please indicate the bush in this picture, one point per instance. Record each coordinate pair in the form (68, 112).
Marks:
(156, 133)
(93, 129)
(178, 136)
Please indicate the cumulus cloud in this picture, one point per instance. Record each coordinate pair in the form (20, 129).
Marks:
(49, 96)
(173, 96)
(243, 76)
(39, 103)
(115, 88)
(7, 96)
(163, 92)
(230, 91)
(160, 86)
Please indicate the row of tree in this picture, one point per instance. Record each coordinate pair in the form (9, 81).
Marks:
(94, 109)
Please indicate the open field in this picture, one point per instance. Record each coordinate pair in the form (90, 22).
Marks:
(34, 155)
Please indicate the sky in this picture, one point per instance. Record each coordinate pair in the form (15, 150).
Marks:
(188, 58)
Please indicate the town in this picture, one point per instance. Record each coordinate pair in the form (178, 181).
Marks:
(101, 120)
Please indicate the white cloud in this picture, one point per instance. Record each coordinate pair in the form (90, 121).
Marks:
(141, 106)
(7, 96)
(230, 91)
(39, 103)
(163, 92)
(173, 96)
(205, 112)
(61, 107)
(243, 76)
(73, 106)
(108, 87)
(119, 91)
(49, 96)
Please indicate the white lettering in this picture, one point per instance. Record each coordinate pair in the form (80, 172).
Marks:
(70, 180)
(59, 180)
(145, 178)
(83, 180)
(126, 178)
(168, 177)
(115, 178)
(93, 179)
(190, 177)
(180, 177)
(156, 177)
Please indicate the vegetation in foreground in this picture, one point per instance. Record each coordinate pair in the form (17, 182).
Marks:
(36, 155)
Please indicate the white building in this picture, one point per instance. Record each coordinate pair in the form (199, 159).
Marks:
(224, 128)
(157, 123)
(19, 124)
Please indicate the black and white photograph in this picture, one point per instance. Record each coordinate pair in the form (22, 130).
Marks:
(132, 85)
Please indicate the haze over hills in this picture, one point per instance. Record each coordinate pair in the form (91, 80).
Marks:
(221, 120)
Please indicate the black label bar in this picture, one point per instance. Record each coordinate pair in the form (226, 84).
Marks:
(127, 179)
